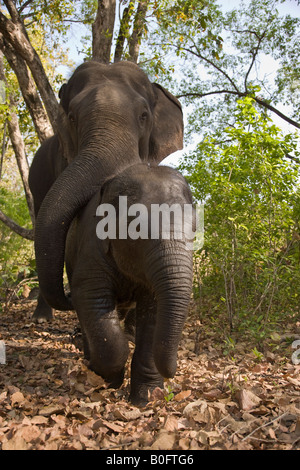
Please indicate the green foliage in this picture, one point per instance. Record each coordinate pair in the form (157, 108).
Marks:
(250, 260)
(169, 394)
(209, 56)
(16, 254)
(179, 25)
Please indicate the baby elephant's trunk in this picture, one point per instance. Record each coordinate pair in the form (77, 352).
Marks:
(171, 274)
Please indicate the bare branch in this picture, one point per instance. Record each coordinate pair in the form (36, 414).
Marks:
(254, 53)
(216, 92)
(210, 62)
(294, 159)
(265, 104)
(260, 101)
(23, 232)
(25, 5)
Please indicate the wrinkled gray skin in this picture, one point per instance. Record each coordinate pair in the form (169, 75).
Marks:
(110, 116)
(107, 274)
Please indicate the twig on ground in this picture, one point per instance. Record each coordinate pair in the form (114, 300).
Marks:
(265, 425)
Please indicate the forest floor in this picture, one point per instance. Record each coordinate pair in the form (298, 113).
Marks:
(225, 395)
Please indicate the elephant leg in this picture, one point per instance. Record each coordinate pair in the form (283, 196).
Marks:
(144, 374)
(105, 344)
(43, 311)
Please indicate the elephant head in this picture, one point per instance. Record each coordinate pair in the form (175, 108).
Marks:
(110, 117)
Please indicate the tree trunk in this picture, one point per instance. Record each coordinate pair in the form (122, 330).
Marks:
(14, 32)
(29, 91)
(123, 32)
(103, 30)
(138, 29)
(20, 153)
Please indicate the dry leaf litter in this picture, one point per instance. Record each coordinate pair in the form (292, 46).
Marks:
(50, 400)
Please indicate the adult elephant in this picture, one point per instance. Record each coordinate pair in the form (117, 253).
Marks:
(133, 258)
(110, 116)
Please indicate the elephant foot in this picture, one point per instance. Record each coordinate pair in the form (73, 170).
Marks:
(140, 393)
(43, 314)
(43, 311)
(113, 380)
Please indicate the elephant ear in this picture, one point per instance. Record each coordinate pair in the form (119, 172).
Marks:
(63, 128)
(167, 132)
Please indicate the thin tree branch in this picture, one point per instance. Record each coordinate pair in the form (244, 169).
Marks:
(294, 159)
(254, 55)
(265, 425)
(210, 62)
(216, 92)
(23, 232)
(25, 5)
(258, 100)
(265, 104)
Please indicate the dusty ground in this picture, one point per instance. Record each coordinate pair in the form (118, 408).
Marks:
(224, 395)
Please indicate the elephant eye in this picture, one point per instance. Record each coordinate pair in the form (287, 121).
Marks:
(71, 117)
(144, 116)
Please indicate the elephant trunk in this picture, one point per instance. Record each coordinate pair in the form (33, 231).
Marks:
(171, 275)
(70, 192)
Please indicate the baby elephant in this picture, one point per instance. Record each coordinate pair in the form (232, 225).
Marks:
(131, 244)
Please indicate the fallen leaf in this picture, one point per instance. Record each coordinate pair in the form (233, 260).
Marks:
(157, 394)
(128, 415)
(3, 396)
(213, 394)
(30, 433)
(39, 420)
(17, 398)
(17, 442)
(95, 380)
(188, 410)
(184, 443)
(113, 426)
(165, 441)
(51, 410)
(171, 423)
(247, 400)
(182, 395)
(293, 381)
